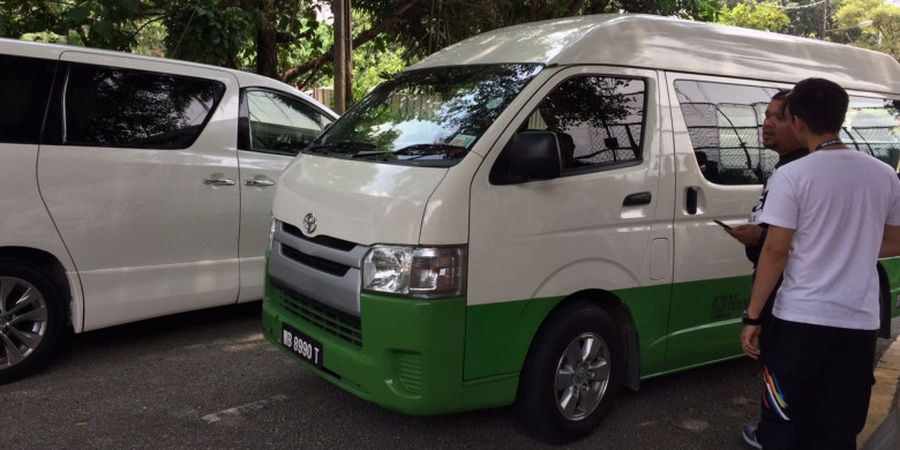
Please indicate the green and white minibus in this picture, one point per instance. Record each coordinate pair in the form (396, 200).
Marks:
(527, 216)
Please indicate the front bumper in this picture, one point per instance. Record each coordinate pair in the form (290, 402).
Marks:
(406, 354)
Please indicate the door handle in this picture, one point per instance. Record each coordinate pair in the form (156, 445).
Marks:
(690, 200)
(259, 182)
(219, 182)
(637, 199)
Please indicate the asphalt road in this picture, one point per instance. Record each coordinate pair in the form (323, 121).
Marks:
(209, 380)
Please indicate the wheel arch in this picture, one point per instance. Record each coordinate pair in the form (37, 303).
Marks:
(613, 305)
(48, 264)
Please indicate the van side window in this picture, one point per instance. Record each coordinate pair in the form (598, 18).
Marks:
(598, 121)
(281, 124)
(872, 126)
(724, 122)
(24, 90)
(112, 107)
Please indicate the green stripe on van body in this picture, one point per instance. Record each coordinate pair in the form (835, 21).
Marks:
(705, 322)
(498, 335)
(701, 326)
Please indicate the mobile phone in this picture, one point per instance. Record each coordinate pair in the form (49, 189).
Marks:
(722, 224)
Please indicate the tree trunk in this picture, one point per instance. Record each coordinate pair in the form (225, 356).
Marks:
(266, 40)
(341, 54)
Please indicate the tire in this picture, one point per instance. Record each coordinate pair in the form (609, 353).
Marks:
(31, 319)
(560, 349)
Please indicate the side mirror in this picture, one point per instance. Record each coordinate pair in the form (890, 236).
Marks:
(530, 155)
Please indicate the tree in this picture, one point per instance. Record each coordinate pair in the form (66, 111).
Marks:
(422, 27)
(111, 24)
(766, 15)
(882, 34)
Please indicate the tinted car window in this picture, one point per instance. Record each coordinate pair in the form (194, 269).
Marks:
(724, 122)
(872, 126)
(113, 107)
(24, 90)
(598, 121)
(281, 124)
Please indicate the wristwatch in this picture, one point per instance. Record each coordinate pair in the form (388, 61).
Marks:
(748, 321)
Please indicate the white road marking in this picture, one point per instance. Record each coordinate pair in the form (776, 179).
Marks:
(239, 410)
(250, 338)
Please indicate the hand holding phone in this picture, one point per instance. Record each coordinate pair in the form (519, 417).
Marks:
(722, 224)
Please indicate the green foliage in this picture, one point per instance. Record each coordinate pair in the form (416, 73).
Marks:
(50, 37)
(376, 60)
(883, 34)
(312, 38)
(207, 31)
(150, 38)
(766, 15)
(110, 24)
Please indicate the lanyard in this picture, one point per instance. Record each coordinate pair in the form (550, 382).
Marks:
(827, 143)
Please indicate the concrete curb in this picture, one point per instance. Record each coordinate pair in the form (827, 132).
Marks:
(882, 422)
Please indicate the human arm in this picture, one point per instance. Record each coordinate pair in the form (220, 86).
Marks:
(890, 243)
(772, 260)
(749, 234)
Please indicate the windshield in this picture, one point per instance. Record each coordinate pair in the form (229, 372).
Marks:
(426, 117)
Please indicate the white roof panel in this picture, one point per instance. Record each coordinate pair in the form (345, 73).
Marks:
(53, 51)
(678, 45)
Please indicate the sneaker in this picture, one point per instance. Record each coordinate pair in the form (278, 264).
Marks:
(749, 434)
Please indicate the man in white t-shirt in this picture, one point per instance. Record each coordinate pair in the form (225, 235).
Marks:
(827, 215)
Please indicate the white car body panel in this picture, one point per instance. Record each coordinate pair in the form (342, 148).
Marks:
(134, 217)
(570, 233)
(349, 197)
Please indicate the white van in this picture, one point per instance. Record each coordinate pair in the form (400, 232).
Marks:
(132, 187)
(527, 216)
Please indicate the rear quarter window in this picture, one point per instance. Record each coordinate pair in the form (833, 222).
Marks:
(24, 90)
(114, 107)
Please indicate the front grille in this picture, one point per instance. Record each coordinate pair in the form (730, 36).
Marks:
(315, 262)
(330, 320)
(326, 241)
(409, 371)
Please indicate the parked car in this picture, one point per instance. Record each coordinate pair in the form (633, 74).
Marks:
(528, 216)
(132, 187)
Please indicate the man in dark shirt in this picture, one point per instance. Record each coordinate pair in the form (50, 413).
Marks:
(778, 136)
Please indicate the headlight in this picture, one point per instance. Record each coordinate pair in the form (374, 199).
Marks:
(425, 272)
(271, 235)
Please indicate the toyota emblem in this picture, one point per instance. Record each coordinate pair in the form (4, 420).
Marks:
(309, 223)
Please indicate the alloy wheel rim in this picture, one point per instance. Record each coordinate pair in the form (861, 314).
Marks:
(582, 376)
(23, 320)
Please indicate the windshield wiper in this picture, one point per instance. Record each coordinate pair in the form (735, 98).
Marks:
(324, 149)
(417, 151)
(381, 155)
(412, 152)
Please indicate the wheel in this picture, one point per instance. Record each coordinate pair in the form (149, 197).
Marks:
(571, 375)
(31, 319)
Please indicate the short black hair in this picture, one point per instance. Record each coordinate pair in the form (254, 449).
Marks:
(821, 103)
(781, 94)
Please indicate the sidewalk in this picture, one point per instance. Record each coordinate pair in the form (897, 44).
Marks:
(882, 431)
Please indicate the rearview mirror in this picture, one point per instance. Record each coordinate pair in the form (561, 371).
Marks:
(530, 155)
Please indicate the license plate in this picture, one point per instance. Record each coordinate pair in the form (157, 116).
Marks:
(304, 346)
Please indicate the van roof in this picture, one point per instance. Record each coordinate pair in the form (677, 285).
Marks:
(657, 42)
(53, 51)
